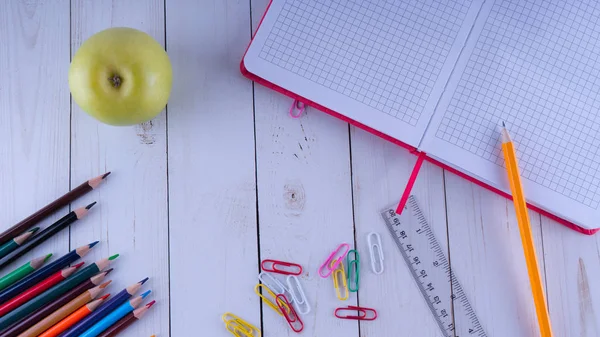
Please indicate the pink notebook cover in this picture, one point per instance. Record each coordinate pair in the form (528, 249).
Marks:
(422, 156)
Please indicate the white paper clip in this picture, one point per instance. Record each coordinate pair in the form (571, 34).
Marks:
(300, 299)
(376, 258)
(272, 283)
(297, 109)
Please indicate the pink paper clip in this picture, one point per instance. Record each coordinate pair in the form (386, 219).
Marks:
(297, 109)
(329, 264)
(292, 317)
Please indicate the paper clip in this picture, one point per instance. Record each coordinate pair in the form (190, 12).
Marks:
(353, 270)
(299, 300)
(364, 314)
(297, 109)
(375, 259)
(268, 301)
(340, 273)
(239, 327)
(272, 283)
(275, 263)
(292, 318)
(331, 260)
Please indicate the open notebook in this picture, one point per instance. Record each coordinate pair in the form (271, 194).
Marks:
(441, 76)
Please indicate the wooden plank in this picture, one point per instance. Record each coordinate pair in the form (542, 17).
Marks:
(305, 201)
(380, 171)
(132, 206)
(487, 257)
(573, 271)
(211, 168)
(34, 114)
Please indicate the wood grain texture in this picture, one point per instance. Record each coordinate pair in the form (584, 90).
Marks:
(131, 218)
(573, 269)
(304, 201)
(214, 255)
(487, 257)
(34, 114)
(380, 170)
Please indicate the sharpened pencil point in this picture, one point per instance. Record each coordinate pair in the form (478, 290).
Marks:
(107, 271)
(503, 124)
(91, 245)
(146, 293)
(106, 175)
(105, 296)
(47, 257)
(90, 205)
(79, 264)
(150, 303)
(144, 280)
(113, 257)
(34, 229)
(105, 284)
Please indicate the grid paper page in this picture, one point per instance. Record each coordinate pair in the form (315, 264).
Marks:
(361, 49)
(535, 66)
(383, 63)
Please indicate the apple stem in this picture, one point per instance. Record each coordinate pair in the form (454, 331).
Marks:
(115, 80)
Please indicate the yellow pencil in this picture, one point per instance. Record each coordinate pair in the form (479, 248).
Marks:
(535, 278)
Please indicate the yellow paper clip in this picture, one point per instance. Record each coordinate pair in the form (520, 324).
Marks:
(239, 327)
(340, 274)
(268, 301)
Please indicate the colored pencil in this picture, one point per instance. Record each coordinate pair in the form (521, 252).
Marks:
(70, 320)
(535, 278)
(126, 321)
(82, 294)
(16, 242)
(54, 292)
(104, 310)
(23, 271)
(40, 274)
(59, 203)
(46, 234)
(37, 289)
(110, 319)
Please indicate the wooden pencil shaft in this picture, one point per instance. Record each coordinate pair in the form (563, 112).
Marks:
(47, 210)
(29, 320)
(37, 276)
(523, 221)
(41, 237)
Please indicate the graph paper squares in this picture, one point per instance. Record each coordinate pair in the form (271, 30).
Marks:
(535, 66)
(363, 49)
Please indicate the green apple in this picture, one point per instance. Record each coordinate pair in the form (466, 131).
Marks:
(121, 76)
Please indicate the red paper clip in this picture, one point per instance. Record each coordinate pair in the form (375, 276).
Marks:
(291, 317)
(297, 109)
(275, 263)
(363, 313)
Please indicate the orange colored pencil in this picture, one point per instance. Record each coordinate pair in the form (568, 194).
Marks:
(73, 318)
(535, 278)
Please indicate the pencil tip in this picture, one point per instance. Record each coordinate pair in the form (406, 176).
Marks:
(90, 205)
(79, 264)
(107, 271)
(144, 280)
(503, 124)
(106, 175)
(151, 303)
(146, 293)
(105, 296)
(91, 245)
(113, 257)
(47, 257)
(105, 284)
(34, 229)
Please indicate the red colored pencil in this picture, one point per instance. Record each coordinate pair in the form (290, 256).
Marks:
(37, 289)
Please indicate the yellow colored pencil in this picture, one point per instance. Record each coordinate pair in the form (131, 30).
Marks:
(535, 278)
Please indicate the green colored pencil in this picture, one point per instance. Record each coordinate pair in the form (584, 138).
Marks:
(16, 242)
(54, 292)
(22, 271)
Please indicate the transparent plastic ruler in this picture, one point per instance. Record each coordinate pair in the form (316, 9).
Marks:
(430, 269)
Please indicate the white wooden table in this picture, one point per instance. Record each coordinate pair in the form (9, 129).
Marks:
(224, 178)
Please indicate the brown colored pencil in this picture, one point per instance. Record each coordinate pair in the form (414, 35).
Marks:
(57, 204)
(82, 289)
(66, 310)
(126, 321)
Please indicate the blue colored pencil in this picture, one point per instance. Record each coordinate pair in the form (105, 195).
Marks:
(114, 316)
(105, 309)
(42, 273)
